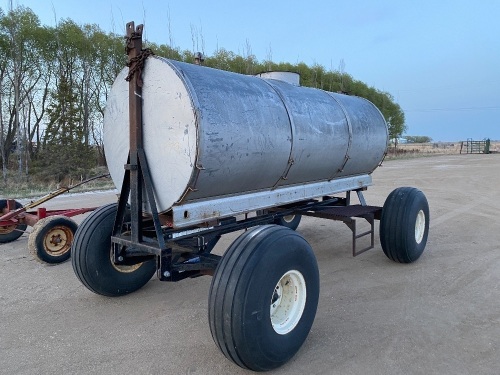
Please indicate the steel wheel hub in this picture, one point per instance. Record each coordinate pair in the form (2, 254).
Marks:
(288, 302)
(58, 240)
(420, 226)
(8, 229)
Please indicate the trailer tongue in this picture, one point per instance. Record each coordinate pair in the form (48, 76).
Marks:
(207, 153)
(53, 230)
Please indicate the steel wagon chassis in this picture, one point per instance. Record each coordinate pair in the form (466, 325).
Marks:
(187, 252)
(265, 288)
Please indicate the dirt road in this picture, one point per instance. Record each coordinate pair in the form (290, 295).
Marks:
(440, 315)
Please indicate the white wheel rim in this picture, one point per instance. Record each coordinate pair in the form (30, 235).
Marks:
(420, 226)
(288, 302)
(288, 218)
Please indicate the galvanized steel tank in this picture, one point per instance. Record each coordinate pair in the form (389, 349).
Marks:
(210, 134)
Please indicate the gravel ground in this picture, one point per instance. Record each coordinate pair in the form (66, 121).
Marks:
(439, 315)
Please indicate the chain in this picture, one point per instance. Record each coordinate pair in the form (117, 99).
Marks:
(136, 64)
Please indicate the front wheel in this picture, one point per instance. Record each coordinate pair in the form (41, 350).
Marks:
(92, 258)
(51, 238)
(404, 225)
(11, 232)
(263, 297)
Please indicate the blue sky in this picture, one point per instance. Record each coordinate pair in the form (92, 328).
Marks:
(439, 59)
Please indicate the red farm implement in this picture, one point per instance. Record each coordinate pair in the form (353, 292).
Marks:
(52, 230)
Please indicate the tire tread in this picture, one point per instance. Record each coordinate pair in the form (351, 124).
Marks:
(239, 265)
(35, 239)
(396, 224)
(84, 261)
(20, 228)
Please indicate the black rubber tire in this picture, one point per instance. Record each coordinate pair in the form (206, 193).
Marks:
(91, 258)
(402, 213)
(239, 307)
(11, 233)
(51, 239)
(290, 221)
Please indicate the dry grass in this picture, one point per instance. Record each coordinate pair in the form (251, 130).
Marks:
(31, 188)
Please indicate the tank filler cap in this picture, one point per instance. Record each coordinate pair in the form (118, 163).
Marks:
(289, 77)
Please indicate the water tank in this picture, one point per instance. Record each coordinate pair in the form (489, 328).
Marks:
(210, 134)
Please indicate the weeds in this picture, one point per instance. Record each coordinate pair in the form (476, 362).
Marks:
(17, 188)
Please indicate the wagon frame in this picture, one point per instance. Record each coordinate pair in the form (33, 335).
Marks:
(265, 288)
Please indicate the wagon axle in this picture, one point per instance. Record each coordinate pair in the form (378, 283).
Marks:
(212, 153)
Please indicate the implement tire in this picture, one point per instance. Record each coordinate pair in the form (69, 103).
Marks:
(263, 297)
(12, 232)
(404, 225)
(92, 258)
(289, 221)
(51, 239)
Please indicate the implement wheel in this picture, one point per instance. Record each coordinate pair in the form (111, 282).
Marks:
(404, 225)
(263, 297)
(289, 221)
(51, 238)
(11, 232)
(92, 258)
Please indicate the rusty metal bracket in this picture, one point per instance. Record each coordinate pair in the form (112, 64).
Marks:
(351, 223)
(137, 176)
(347, 215)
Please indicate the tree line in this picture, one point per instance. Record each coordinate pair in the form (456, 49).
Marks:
(54, 82)
(417, 139)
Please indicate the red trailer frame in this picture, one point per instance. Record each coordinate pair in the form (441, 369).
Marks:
(53, 230)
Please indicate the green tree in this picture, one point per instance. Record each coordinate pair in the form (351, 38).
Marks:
(418, 138)
(64, 153)
(54, 83)
(24, 81)
(4, 54)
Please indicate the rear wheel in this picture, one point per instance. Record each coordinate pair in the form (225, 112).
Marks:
(11, 232)
(263, 297)
(404, 225)
(92, 258)
(51, 239)
(289, 221)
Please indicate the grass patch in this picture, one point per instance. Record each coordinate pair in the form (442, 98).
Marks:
(18, 188)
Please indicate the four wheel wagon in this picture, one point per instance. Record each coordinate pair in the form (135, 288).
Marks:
(199, 153)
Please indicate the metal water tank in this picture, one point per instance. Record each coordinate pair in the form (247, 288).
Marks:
(211, 136)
